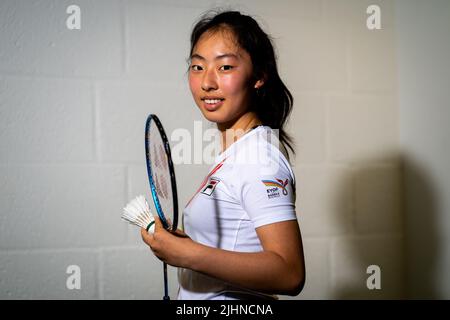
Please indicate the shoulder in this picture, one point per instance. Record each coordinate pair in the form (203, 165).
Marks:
(260, 155)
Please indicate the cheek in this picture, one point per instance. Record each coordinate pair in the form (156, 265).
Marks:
(233, 85)
(194, 84)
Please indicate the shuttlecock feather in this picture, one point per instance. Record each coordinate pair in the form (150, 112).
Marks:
(137, 212)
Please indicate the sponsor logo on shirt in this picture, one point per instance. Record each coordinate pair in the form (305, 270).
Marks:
(206, 180)
(274, 187)
(209, 189)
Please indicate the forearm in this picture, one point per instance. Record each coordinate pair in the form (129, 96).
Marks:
(263, 271)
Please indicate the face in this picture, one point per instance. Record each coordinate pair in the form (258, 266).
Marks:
(220, 77)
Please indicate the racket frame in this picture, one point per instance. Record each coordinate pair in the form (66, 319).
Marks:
(152, 118)
(153, 187)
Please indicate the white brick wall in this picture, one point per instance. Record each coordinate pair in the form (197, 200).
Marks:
(72, 111)
(41, 274)
(423, 94)
(37, 42)
(350, 257)
(132, 273)
(46, 120)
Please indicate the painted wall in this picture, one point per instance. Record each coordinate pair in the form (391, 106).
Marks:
(424, 101)
(73, 104)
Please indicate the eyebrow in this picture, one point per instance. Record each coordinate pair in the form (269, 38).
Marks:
(222, 56)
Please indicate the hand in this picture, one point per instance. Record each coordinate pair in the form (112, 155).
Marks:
(174, 248)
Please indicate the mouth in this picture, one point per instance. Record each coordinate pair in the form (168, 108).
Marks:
(212, 103)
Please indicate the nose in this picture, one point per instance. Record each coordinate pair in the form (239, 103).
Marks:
(209, 80)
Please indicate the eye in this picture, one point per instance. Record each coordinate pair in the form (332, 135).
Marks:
(226, 68)
(196, 67)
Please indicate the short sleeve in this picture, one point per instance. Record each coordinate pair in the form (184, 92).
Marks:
(266, 189)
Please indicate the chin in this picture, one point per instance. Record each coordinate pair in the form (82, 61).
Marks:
(214, 116)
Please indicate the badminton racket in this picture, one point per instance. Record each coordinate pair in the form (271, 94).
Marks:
(161, 176)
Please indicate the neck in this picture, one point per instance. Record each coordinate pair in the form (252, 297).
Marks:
(233, 130)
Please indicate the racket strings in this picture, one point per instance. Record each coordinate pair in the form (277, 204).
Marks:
(160, 171)
(162, 178)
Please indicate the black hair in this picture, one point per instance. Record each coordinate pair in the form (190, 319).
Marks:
(272, 102)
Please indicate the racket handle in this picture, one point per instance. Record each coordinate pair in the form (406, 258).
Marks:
(166, 289)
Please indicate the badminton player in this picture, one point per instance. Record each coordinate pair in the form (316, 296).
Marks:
(240, 238)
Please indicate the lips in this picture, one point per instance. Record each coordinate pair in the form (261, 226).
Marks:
(212, 103)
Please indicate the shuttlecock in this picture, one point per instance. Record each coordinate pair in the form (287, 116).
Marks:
(137, 212)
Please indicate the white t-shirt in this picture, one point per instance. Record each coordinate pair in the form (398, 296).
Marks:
(250, 184)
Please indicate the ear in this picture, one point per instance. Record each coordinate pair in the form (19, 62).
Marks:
(259, 83)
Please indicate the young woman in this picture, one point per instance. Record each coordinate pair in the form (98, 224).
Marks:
(242, 238)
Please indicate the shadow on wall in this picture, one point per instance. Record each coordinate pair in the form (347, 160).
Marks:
(421, 234)
(392, 226)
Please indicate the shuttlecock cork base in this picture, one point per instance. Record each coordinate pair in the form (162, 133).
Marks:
(137, 212)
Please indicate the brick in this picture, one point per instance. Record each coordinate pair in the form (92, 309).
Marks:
(373, 61)
(123, 110)
(135, 274)
(43, 274)
(45, 121)
(353, 12)
(371, 53)
(324, 200)
(265, 10)
(377, 200)
(157, 49)
(363, 129)
(313, 56)
(350, 258)
(61, 206)
(36, 40)
(307, 127)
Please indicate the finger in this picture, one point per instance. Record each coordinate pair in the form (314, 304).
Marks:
(147, 237)
(158, 223)
(180, 233)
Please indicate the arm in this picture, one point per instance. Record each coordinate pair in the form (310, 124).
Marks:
(278, 269)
